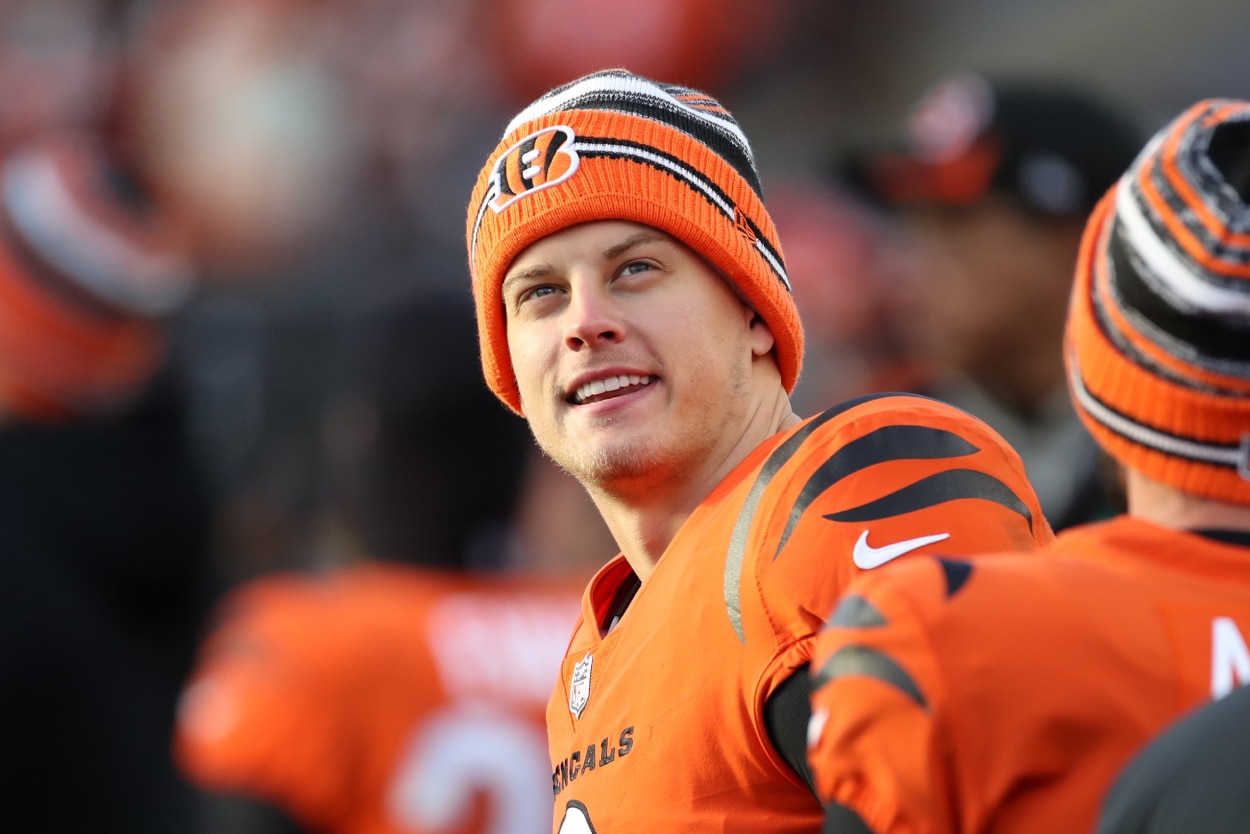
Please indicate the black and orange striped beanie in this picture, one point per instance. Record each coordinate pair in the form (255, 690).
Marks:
(1158, 339)
(616, 146)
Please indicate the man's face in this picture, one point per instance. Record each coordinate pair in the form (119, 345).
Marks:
(988, 282)
(632, 355)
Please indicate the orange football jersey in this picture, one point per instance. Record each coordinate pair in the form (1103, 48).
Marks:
(657, 724)
(1004, 694)
(382, 699)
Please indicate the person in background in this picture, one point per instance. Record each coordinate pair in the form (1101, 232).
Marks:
(633, 305)
(847, 266)
(1005, 694)
(992, 189)
(105, 575)
(400, 686)
(1195, 777)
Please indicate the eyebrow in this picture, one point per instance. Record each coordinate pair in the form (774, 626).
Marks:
(633, 240)
(536, 271)
(615, 251)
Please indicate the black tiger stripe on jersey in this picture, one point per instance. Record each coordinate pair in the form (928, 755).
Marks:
(888, 443)
(956, 572)
(866, 662)
(940, 488)
(742, 525)
(884, 444)
(856, 612)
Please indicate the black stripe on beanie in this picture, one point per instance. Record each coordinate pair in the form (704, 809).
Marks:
(1198, 337)
(612, 148)
(692, 121)
(658, 110)
(1229, 151)
(1122, 345)
(1208, 187)
(1174, 445)
(589, 147)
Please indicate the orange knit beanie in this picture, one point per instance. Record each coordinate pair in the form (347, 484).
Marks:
(613, 145)
(1158, 338)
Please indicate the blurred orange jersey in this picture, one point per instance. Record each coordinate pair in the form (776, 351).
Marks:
(382, 700)
(658, 724)
(1003, 695)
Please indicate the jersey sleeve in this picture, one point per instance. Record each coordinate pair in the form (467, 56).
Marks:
(878, 741)
(876, 480)
(258, 716)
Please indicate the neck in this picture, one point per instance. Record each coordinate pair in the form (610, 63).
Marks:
(1168, 507)
(644, 518)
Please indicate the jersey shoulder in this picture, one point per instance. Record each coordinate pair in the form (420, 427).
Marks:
(868, 482)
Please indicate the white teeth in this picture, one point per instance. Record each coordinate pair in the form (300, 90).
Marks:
(615, 383)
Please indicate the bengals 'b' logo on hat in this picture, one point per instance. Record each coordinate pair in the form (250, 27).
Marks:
(538, 161)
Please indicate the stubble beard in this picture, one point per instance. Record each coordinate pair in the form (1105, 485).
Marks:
(614, 467)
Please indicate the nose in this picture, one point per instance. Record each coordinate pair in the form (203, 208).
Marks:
(593, 317)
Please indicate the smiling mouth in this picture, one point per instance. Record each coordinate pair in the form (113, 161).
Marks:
(606, 389)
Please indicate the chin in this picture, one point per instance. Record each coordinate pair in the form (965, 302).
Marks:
(617, 464)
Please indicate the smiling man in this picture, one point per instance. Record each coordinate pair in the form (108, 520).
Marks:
(633, 306)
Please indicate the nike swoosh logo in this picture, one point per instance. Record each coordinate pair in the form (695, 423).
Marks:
(868, 557)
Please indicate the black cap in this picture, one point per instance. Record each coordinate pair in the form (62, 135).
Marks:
(1055, 148)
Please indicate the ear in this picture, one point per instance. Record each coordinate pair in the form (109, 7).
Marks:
(762, 339)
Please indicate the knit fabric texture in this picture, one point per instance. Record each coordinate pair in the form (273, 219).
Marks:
(1158, 339)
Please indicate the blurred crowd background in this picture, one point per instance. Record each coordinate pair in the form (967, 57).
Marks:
(247, 221)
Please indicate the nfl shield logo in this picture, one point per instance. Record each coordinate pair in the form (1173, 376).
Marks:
(579, 692)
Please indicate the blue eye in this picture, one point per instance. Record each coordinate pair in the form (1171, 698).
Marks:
(635, 267)
(533, 294)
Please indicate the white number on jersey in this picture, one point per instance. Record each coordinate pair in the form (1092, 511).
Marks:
(1230, 657)
(576, 819)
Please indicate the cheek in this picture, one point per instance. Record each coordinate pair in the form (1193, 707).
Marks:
(694, 331)
(719, 341)
(524, 348)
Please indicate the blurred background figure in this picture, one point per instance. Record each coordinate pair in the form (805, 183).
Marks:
(845, 261)
(246, 131)
(402, 687)
(105, 571)
(993, 188)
